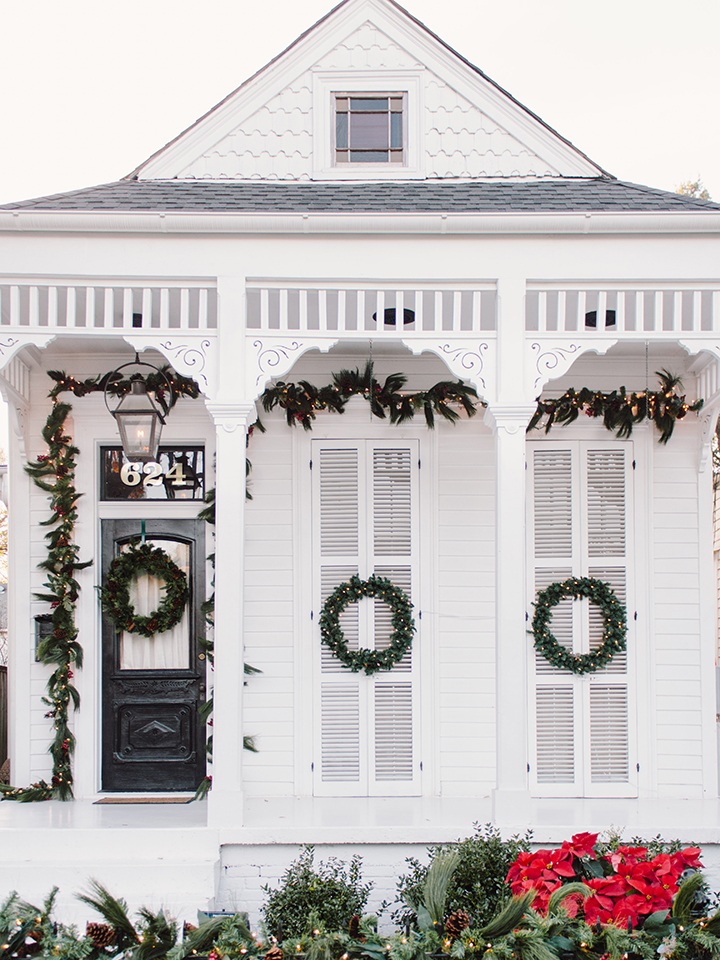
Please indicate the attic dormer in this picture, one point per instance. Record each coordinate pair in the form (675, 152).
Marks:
(368, 93)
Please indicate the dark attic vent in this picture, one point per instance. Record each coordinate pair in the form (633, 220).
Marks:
(389, 316)
(591, 318)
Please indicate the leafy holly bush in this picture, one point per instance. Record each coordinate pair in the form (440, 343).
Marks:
(478, 883)
(334, 891)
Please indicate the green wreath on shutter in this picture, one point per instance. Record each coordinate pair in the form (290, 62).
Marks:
(371, 661)
(614, 619)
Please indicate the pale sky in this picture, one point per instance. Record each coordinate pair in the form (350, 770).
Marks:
(92, 88)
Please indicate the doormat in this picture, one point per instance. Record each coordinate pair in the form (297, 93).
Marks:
(144, 800)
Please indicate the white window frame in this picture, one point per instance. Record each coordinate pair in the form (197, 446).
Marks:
(582, 786)
(327, 84)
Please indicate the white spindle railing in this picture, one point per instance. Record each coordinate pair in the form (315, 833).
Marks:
(109, 305)
(625, 309)
(348, 308)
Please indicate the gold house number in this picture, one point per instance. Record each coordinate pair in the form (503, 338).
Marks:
(132, 473)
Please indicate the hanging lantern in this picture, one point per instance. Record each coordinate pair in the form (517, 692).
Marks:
(138, 416)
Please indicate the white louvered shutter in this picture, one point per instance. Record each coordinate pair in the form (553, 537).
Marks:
(579, 507)
(365, 521)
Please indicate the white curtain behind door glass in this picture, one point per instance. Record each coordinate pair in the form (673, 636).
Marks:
(164, 651)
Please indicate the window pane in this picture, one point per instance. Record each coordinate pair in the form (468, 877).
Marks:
(396, 130)
(380, 104)
(341, 131)
(368, 131)
(369, 156)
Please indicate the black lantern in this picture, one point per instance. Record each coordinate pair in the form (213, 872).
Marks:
(139, 418)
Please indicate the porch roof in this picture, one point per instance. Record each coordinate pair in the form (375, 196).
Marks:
(496, 196)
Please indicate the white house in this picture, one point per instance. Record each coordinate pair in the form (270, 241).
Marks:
(369, 195)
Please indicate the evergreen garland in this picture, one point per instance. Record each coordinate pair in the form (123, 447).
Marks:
(54, 472)
(619, 410)
(115, 595)
(302, 400)
(371, 661)
(614, 620)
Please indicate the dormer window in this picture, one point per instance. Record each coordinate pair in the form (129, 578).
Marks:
(369, 128)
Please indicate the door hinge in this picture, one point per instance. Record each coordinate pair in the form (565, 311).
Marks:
(311, 464)
(419, 463)
(635, 615)
(421, 765)
(633, 464)
(312, 614)
(419, 614)
(528, 768)
(637, 767)
(312, 767)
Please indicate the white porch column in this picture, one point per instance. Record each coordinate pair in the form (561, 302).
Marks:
(508, 416)
(226, 797)
(233, 411)
(511, 796)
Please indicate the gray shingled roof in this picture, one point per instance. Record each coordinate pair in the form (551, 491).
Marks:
(261, 196)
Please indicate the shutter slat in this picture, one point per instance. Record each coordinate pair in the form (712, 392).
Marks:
(392, 504)
(555, 734)
(340, 711)
(339, 520)
(606, 503)
(393, 731)
(609, 741)
(553, 503)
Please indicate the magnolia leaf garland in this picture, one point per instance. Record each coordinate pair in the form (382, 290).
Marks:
(115, 595)
(619, 410)
(302, 400)
(371, 661)
(614, 620)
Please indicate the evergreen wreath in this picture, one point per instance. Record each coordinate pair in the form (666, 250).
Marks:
(371, 661)
(115, 595)
(614, 620)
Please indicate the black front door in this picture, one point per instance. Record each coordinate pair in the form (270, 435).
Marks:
(153, 687)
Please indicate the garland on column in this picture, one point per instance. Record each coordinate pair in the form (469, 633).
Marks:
(54, 472)
(208, 609)
(620, 410)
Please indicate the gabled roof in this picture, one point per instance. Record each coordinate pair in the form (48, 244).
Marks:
(243, 113)
(597, 195)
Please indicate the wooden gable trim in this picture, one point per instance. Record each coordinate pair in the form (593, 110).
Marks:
(303, 53)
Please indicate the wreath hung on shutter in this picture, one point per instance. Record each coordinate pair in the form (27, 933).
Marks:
(371, 661)
(126, 567)
(614, 620)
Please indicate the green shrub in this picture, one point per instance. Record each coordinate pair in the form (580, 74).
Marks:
(333, 891)
(478, 883)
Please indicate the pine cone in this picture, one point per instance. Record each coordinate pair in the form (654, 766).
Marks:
(274, 953)
(188, 928)
(101, 934)
(354, 926)
(455, 924)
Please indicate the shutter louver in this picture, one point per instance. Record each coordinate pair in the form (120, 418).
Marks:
(340, 732)
(392, 505)
(609, 749)
(561, 622)
(338, 502)
(555, 734)
(615, 578)
(553, 503)
(393, 731)
(401, 577)
(606, 503)
(331, 577)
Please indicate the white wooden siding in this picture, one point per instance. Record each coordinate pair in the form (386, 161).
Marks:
(676, 618)
(465, 613)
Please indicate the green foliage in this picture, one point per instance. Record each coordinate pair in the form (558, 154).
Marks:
(478, 883)
(333, 890)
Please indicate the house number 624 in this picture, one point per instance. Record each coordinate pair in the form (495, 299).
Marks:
(132, 473)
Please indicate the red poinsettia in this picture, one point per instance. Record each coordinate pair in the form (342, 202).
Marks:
(632, 887)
